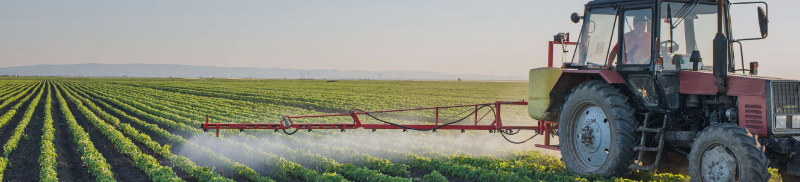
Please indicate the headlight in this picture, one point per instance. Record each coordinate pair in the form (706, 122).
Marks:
(795, 121)
(780, 122)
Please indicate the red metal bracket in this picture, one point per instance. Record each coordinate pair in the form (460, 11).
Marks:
(550, 49)
(544, 129)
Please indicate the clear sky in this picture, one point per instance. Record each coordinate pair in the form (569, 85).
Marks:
(504, 37)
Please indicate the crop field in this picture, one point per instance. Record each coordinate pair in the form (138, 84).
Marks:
(121, 129)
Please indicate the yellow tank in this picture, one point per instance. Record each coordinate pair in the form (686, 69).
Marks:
(540, 82)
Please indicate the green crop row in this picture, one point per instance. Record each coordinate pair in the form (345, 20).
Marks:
(47, 157)
(435, 176)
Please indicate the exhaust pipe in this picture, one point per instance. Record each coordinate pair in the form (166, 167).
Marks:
(720, 52)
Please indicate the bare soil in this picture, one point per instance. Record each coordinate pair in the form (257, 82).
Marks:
(23, 162)
(70, 167)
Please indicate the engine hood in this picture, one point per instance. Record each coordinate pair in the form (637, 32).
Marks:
(702, 83)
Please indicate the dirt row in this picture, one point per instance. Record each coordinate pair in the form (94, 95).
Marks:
(23, 162)
(7, 131)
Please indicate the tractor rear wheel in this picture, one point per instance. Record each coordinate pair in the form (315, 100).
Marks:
(725, 152)
(596, 130)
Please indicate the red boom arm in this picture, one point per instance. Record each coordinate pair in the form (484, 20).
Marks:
(286, 122)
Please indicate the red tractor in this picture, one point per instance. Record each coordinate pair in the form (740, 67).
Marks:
(638, 88)
(651, 85)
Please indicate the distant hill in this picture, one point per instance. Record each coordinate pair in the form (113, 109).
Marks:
(185, 71)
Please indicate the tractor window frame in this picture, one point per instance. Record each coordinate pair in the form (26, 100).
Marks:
(577, 58)
(699, 39)
(654, 33)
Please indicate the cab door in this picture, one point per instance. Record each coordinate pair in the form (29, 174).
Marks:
(636, 56)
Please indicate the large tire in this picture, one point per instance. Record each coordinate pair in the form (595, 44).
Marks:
(596, 130)
(725, 152)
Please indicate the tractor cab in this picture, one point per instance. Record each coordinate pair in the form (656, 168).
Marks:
(653, 35)
(645, 35)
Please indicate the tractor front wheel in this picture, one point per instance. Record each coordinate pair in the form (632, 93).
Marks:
(596, 130)
(725, 152)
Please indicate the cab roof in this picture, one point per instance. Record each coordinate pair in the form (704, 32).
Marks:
(596, 2)
(614, 1)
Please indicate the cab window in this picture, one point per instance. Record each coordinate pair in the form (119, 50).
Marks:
(637, 38)
(596, 36)
(693, 28)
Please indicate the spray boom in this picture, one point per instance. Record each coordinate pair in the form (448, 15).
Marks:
(476, 113)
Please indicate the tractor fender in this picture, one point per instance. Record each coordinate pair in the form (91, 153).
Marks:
(548, 108)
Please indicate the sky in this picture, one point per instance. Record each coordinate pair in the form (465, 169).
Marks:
(503, 37)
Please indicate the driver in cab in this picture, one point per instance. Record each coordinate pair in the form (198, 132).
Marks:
(637, 43)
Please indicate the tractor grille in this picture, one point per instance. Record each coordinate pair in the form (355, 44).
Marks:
(786, 97)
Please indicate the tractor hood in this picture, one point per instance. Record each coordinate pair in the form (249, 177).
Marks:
(702, 83)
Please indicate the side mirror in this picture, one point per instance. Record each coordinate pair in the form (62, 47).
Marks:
(762, 22)
(577, 18)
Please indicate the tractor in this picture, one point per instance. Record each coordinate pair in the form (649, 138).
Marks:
(651, 86)
(652, 81)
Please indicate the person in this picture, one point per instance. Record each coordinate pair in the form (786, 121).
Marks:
(637, 43)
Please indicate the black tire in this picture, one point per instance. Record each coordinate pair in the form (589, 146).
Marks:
(745, 159)
(620, 128)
